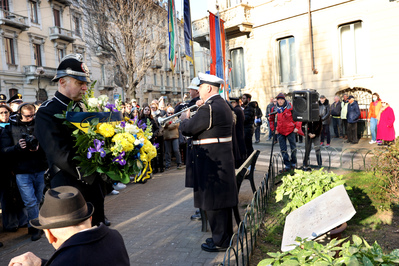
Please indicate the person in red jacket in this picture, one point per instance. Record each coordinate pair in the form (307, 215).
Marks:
(285, 130)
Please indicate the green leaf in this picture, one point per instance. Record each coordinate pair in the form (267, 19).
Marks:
(366, 261)
(60, 116)
(357, 240)
(76, 131)
(266, 262)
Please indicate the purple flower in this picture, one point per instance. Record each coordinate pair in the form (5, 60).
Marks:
(142, 125)
(97, 148)
(119, 159)
(111, 107)
(156, 145)
(123, 124)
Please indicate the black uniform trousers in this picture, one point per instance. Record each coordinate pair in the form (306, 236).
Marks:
(221, 222)
(93, 193)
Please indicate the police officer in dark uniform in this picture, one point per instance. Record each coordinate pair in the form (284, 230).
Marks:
(14, 102)
(3, 99)
(239, 130)
(212, 161)
(56, 138)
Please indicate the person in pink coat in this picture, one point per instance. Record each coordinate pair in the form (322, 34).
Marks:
(385, 129)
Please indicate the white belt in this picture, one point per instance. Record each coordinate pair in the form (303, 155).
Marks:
(211, 141)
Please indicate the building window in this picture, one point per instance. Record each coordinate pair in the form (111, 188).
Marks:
(167, 80)
(161, 80)
(238, 68)
(4, 5)
(174, 83)
(352, 50)
(155, 79)
(37, 53)
(33, 12)
(287, 60)
(57, 17)
(76, 21)
(60, 54)
(10, 53)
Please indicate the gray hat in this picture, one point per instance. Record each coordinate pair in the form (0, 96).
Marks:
(63, 206)
(322, 96)
(210, 79)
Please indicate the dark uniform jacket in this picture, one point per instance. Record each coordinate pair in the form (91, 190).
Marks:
(97, 246)
(353, 112)
(212, 165)
(23, 161)
(55, 138)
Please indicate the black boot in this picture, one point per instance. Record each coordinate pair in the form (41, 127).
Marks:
(37, 234)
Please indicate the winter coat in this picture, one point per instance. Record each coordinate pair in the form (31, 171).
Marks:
(23, 161)
(374, 109)
(249, 113)
(344, 109)
(324, 112)
(353, 112)
(171, 131)
(285, 122)
(336, 108)
(212, 165)
(385, 129)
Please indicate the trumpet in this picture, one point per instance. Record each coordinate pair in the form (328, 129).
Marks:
(162, 120)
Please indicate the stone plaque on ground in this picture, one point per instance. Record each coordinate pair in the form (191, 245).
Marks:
(317, 217)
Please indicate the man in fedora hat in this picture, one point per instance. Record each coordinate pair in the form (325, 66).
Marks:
(56, 138)
(65, 218)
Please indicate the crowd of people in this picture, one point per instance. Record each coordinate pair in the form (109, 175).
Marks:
(207, 134)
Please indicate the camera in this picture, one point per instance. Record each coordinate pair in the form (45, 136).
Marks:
(31, 141)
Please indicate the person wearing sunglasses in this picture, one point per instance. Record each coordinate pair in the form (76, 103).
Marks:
(27, 160)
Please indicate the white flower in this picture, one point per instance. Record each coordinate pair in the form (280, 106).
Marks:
(92, 102)
(137, 142)
(103, 99)
(132, 129)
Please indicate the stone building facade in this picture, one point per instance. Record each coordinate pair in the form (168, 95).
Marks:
(35, 35)
(333, 46)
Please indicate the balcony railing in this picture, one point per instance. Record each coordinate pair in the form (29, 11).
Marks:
(63, 2)
(13, 20)
(31, 72)
(61, 33)
(200, 29)
(238, 20)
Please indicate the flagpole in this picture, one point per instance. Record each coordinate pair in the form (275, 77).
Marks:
(221, 47)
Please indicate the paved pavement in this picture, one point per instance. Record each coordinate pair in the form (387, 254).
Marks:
(154, 219)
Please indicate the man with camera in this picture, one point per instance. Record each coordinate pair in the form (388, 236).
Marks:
(29, 160)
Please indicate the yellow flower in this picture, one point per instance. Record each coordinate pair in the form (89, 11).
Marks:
(106, 130)
(124, 141)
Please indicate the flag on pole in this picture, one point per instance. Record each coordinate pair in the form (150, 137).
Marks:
(217, 45)
(172, 34)
(188, 36)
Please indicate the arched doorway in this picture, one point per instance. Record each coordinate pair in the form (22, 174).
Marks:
(363, 97)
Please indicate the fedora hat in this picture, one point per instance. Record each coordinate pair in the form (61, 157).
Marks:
(63, 206)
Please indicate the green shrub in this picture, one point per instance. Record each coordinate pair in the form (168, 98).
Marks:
(312, 253)
(386, 168)
(303, 187)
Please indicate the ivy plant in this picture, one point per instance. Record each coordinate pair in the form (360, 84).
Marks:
(303, 187)
(359, 252)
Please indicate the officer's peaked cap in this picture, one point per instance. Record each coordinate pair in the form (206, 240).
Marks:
(72, 65)
(210, 79)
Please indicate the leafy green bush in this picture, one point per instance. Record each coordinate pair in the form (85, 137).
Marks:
(312, 253)
(385, 166)
(303, 187)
